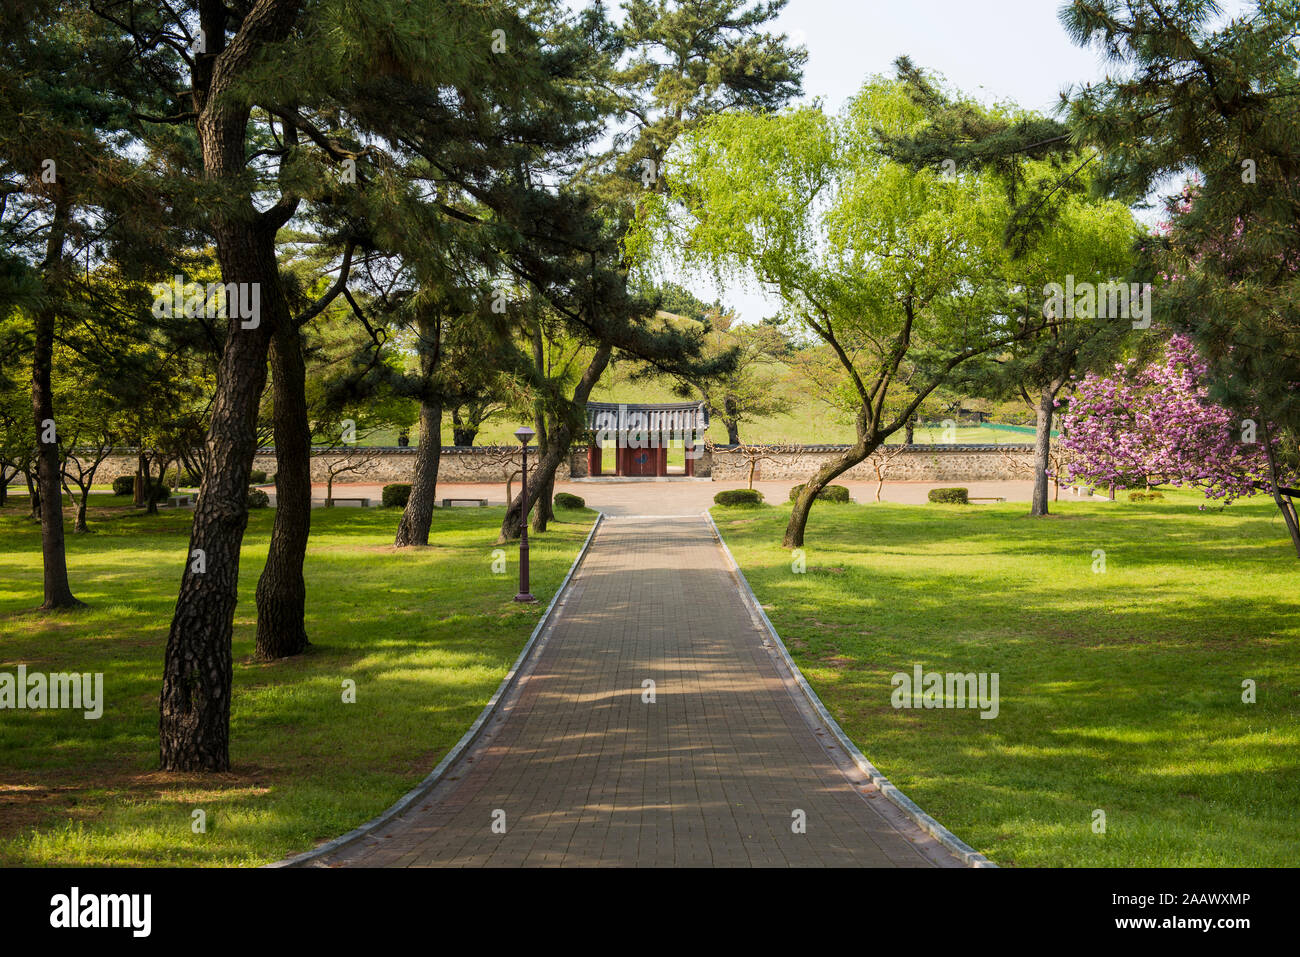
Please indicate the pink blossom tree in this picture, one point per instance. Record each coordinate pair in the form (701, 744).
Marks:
(1150, 425)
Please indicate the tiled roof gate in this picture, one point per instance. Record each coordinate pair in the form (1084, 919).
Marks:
(640, 434)
(650, 417)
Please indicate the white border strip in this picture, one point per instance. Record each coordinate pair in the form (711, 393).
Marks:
(968, 854)
(435, 776)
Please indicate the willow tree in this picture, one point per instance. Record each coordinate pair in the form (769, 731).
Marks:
(901, 272)
(1058, 225)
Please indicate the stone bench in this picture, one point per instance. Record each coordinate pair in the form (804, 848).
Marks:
(985, 498)
(180, 501)
(448, 502)
(362, 502)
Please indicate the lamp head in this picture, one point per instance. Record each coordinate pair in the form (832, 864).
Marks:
(524, 434)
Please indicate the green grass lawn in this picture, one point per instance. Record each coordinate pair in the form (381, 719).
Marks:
(426, 634)
(1120, 691)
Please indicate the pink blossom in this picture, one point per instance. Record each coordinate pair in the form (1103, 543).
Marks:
(1154, 425)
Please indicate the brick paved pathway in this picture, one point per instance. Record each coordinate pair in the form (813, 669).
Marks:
(711, 773)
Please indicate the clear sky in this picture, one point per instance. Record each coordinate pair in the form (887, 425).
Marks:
(994, 50)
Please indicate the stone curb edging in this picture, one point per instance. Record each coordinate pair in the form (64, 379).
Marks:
(968, 854)
(467, 739)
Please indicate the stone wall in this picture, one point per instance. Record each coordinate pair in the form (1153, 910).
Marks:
(918, 463)
(384, 465)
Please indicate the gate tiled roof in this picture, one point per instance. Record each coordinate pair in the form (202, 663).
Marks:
(648, 417)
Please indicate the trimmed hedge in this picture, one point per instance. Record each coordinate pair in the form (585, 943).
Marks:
(396, 495)
(1141, 496)
(124, 485)
(181, 479)
(568, 500)
(257, 477)
(831, 493)
(739, 496)
(949, 496)
(257, 498)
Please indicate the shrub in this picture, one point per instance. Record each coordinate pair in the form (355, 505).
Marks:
(831, 493)
(949, 496)
(181, 479)
(397, 494)
(257, 498)
(1140, 496)
(739, 496)
(568, 500)
(124, 485)
(257, 477)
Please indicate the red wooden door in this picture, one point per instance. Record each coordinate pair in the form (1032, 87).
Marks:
(642, 462)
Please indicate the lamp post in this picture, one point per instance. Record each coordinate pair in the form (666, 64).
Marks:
(525, 435)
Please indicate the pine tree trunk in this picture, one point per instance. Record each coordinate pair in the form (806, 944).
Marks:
(281, 590)
(141, 477)
(80, 528)
(542, 499)
(539, 472)
(543, 474)
(417, 518)
(1284, 503)
(33, 497)
(462, 433)
(194, 729)
(58, 592)
(1042, 450)
(194, 725)
(541, 496)
(151, 500)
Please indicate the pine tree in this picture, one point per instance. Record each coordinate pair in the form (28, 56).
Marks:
(66, 188)
(683, 61)
(258, 116)
(1221, 98)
